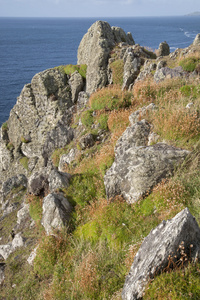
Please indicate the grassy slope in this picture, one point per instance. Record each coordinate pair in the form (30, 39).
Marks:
(90, 259)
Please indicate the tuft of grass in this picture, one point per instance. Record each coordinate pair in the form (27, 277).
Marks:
(35, 208)
(190, 63)
(117, 68)
(110, 98)
(70, 69)
(178, 284)
(87, 118)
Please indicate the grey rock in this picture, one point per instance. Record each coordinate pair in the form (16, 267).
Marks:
(76, 82)
(94, 51)
(137, 167)
(23, 213)
(32, 256)
(163, 49)
(166, 72)
(87, 141)
(120, 36)
(154, 252)
(197, 40)
(66, 159)
(161, 64)
(38, 183)
(42, 104)
(147, 70)
(83, 99)
(56, 212)
(58, 180)
(11, 183)
(131, 69)
(6, 250)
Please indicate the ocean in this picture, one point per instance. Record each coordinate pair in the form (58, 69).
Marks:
(31, 45)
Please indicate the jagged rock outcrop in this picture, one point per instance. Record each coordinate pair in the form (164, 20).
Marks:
(137, 167)
(162, 242)
(197, 40)
(56, 212)
(94, 51)
(163, 49)
(39, 122)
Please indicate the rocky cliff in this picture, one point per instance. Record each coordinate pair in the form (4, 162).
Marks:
(94, 159)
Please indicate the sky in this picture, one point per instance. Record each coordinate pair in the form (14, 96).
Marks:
(96, 8)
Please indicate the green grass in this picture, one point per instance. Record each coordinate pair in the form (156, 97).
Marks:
(87, 118)
(117, 68)
(70, 69)
(179, 284)
(190, 63)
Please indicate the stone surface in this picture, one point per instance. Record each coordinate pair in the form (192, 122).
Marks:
(66, 159)
(94, 51)
(32, 256)
(197, 40)
(23, 213)
(137, 167)
(76, 82)
(154, 252)
(2, 269)
(58, 180)
(39, 121)
(56, 212)
(38, 183)
(83, 99)
(163, 49)
(131, 69)
(6, 250)
(167, 73)
(87, 141)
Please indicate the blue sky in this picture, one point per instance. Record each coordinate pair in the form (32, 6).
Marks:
(96, 8)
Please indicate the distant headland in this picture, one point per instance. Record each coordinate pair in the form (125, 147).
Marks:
(196, 13)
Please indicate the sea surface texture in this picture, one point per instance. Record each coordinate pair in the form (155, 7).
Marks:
(29, 46)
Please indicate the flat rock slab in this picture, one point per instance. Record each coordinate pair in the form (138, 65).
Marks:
(153, 254)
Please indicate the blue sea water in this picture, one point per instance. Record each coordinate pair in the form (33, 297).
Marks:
(31, 45)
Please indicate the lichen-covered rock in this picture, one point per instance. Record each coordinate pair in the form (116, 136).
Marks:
(164, 73)
(153, 255)
(23, 213)
(66, 159)
(34, 120)
(6, 250)
(131, 69)
(38, 183)
(94, 51)
(197, 40)
(87, 141)
(83, 99)
(76, 82)
(147, 69)
(56, 212)
(58, 180)
(137, 167)
(163, 49)
(121, 36)
(11, 183)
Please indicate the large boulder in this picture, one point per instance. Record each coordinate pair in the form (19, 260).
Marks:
(163, 49)
(138, 167)
(56, 212)
(171, 240)
(94, 51)
(76, 82)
